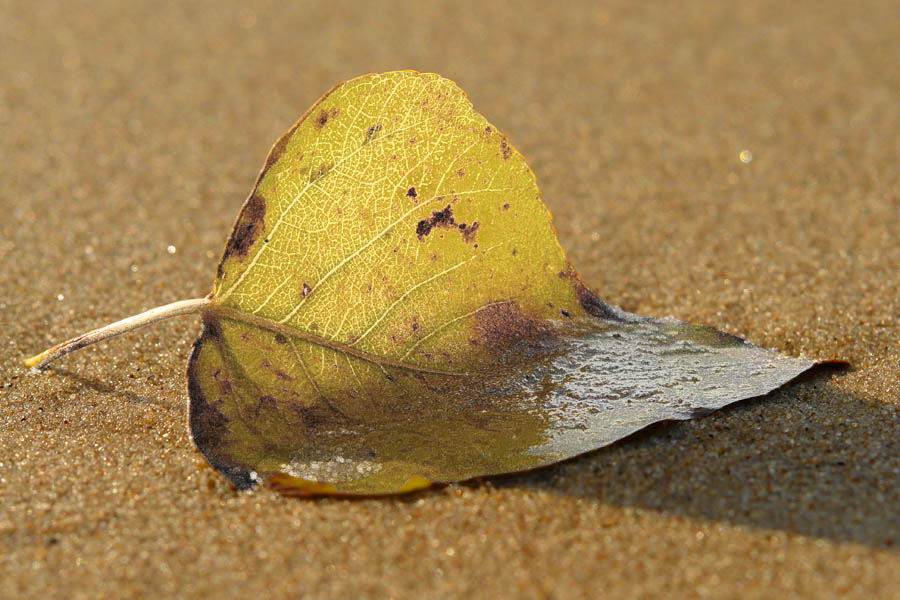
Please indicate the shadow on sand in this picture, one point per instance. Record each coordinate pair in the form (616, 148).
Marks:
(102, 387)
(808, 458)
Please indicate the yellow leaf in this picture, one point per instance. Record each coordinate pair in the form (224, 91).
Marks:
(390, 294)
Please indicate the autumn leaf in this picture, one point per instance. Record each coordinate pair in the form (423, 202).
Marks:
(393, 310)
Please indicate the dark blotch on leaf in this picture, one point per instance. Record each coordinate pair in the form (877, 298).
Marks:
(411, 193)
(305, 291)
(500, 324)
(250, 223)
(206, 421)
(370, 133)
(325, 116)
(439, 218)
(468, 233)
(278, 149)
(265, 402)
(318, 416)
(211, 328)
(504, 147)
(320, 172)
(591, 302)
(225, 387)
(280, 338)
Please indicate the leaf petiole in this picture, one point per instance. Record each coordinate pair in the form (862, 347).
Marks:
(40, 361)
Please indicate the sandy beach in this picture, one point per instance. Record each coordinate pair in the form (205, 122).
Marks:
(726, 164)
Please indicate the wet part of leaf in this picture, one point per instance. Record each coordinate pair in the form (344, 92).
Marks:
(393, 309)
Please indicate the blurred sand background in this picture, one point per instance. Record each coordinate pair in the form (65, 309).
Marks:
(130, 128)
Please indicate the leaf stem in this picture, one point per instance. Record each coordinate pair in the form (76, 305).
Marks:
(40, 361)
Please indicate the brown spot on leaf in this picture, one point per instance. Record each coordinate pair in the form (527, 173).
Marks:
(250, 223)
(593, 305)
(211, 328)
(589, 301)
(206, 421)
(371, 131)
(439, 218)
(505, 149)
(502, 324)
(225, 386)
(305, 290)
(280, 338)
(468, 233)
(460, 173)
(265, 402)
(282, 375)
(506, 206)
(278, 149)
(321, 172)
(325, 116)
(411, 193)
(312, 417)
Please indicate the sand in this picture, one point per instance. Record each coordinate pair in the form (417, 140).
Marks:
(133, 133)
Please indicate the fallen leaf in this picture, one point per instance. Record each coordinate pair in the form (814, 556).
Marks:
(393, 310)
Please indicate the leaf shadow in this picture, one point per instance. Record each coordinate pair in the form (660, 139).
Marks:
(102, 387)
(808, 458)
